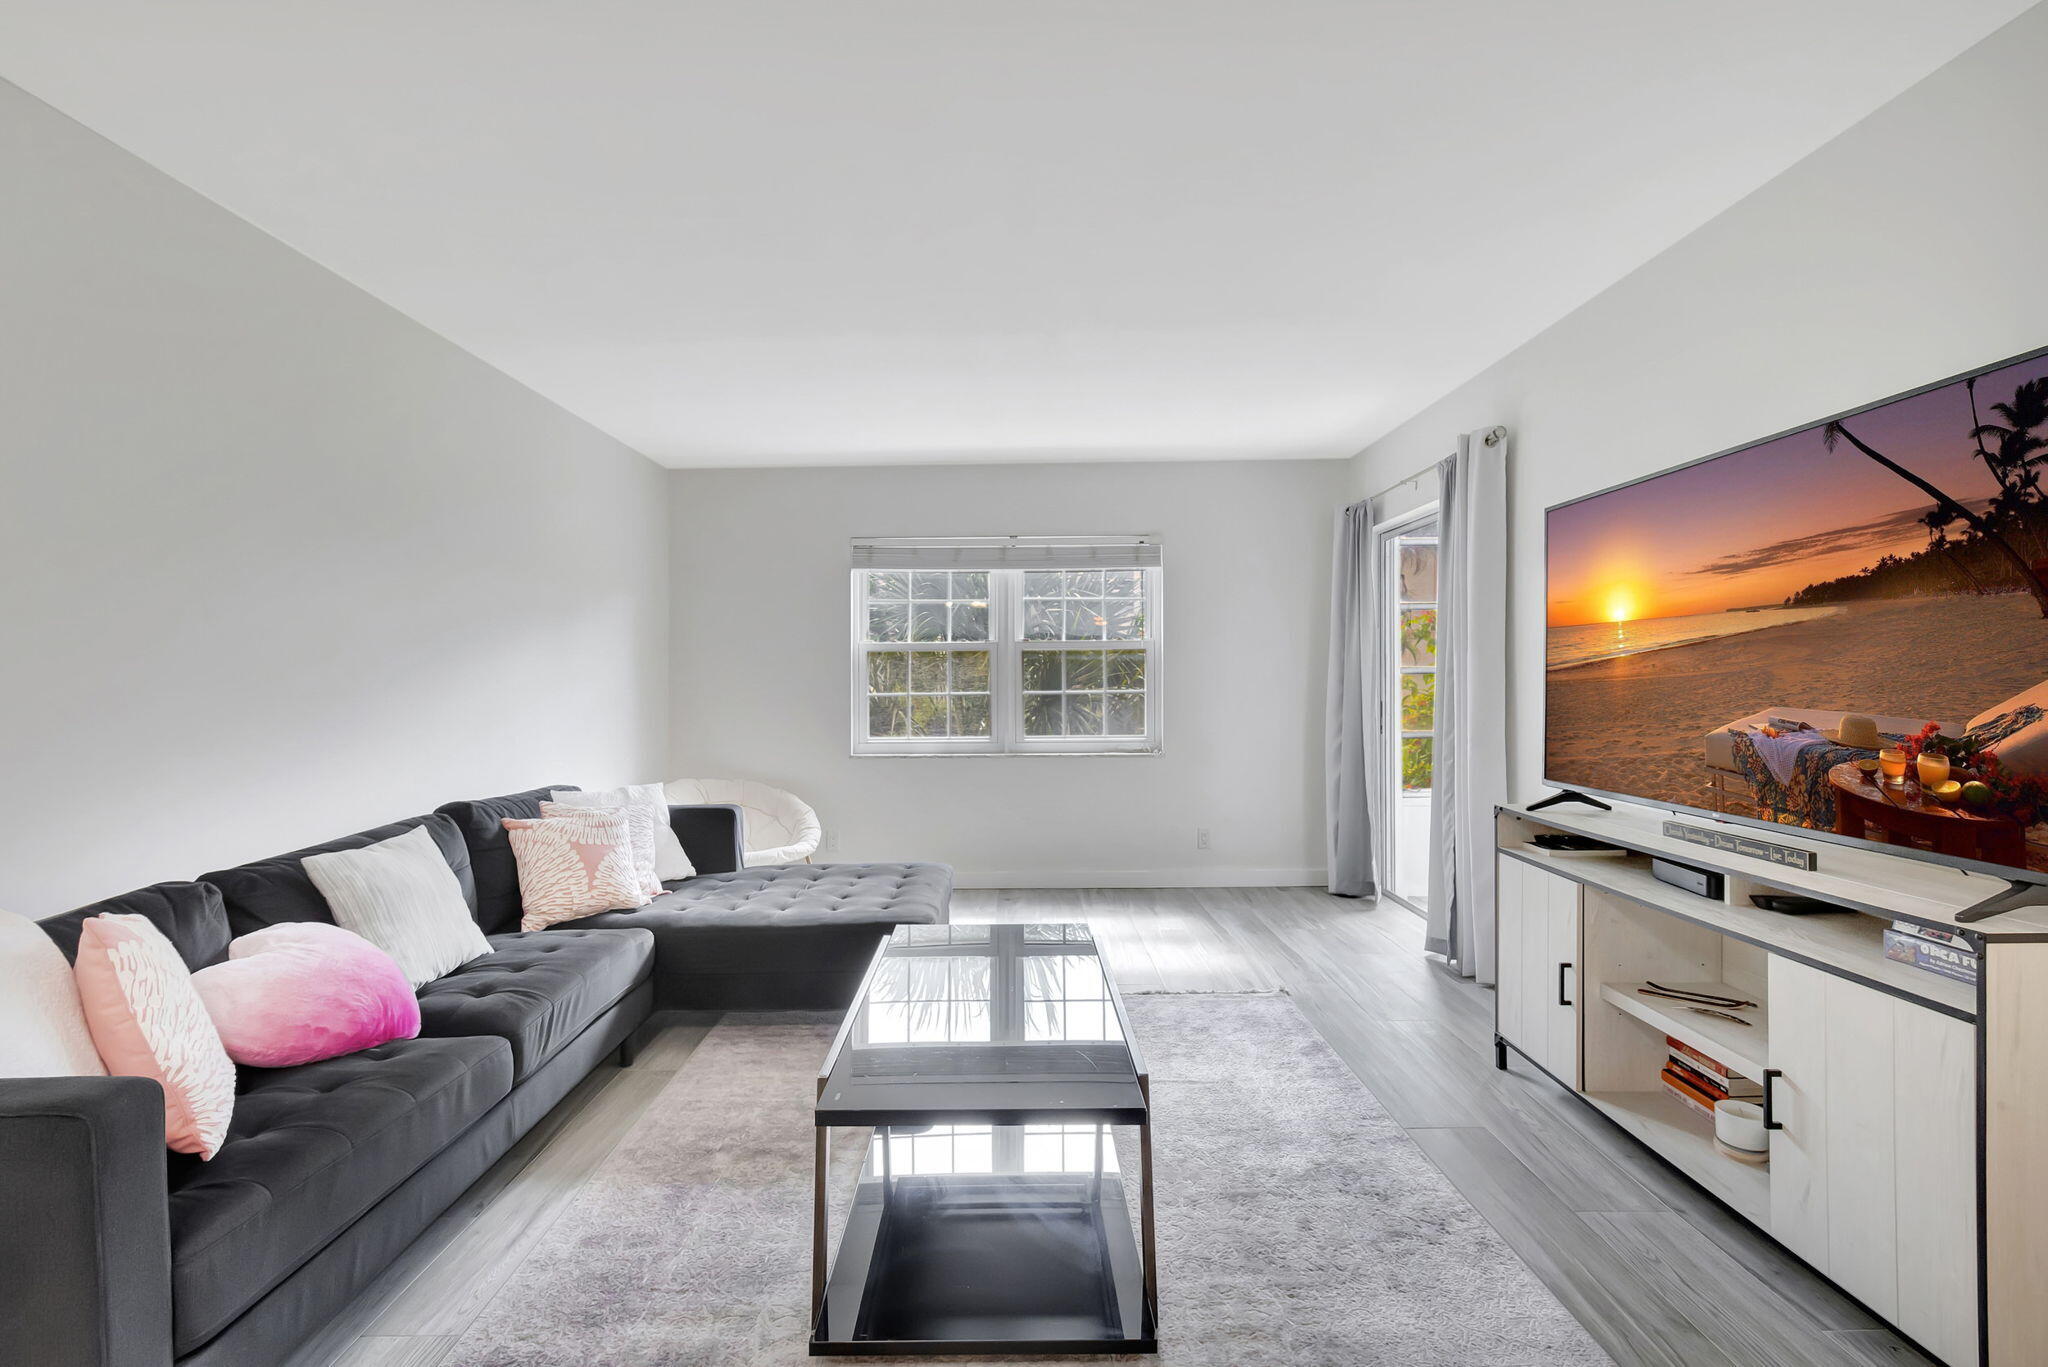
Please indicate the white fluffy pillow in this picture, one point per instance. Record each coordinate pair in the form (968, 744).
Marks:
(42, 1027)
(401, 896)
(670, 863)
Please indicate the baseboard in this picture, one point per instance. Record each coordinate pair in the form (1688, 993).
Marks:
(1140, 878)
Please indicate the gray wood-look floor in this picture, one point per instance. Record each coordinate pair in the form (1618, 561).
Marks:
(1657, 1271)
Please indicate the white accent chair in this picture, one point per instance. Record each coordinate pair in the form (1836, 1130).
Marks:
(779, 827)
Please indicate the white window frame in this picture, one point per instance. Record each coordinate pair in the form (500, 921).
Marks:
(1006, 647)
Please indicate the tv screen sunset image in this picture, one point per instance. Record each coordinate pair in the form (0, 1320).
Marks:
(1845, 628)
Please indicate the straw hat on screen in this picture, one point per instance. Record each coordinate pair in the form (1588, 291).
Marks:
(1856, 730)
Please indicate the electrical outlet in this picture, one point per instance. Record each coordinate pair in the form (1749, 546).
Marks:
(1201, 837)
(828, 841)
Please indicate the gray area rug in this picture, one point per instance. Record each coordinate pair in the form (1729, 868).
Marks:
(1298, 1225)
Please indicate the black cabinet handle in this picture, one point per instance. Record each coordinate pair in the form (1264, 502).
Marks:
(1771, 1122)
(1560, 984)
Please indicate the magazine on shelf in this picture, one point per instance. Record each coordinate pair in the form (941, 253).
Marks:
(1934, 935)
(1933, 956)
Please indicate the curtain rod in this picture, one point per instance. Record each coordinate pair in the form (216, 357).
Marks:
(1494, 437)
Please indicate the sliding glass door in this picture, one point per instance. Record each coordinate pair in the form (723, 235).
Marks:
(1406, 693)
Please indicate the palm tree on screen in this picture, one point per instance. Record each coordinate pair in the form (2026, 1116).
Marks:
(1936, 521)
(1835, 433)
(2020, 445)
(2019, 454)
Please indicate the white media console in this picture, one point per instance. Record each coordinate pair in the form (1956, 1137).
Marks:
(1911, 1110)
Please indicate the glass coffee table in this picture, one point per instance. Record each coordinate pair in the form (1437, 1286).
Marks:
(997, 1069)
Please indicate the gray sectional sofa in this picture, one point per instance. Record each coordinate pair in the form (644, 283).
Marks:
(119, 1254)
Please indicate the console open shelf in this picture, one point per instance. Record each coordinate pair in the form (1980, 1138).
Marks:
(1746, 1049)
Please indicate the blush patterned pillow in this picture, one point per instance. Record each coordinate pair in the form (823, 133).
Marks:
(641, 821)
(301, 991)
(669, 860)
(573, 866)
(147, 1021)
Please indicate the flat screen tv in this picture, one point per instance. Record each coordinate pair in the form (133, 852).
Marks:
(1841, 628)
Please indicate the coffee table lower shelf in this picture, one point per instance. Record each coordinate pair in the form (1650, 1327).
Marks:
(981, 1263)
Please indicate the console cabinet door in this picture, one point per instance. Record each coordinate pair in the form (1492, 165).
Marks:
(1937, 1158)
(1537, 918)
(1873, 1173)
(1863, 1086)
(1834, 1172)
(1798, 1103)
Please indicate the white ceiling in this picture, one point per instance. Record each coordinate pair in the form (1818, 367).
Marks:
(795, 232)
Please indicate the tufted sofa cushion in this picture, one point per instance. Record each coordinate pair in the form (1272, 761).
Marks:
(309, 1151)
(790, 936)
(189, 914)
(809, 895)
(537, 990)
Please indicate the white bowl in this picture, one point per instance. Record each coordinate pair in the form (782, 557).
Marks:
(1740, 1125)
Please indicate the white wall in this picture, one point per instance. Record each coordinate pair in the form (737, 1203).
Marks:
(761, 668)
(1908, 249)
(280, 563)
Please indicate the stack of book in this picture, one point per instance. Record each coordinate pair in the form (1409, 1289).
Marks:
(1937, 951)
(1700, 1081)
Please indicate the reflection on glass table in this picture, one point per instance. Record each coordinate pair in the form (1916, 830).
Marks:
(1007, 1100)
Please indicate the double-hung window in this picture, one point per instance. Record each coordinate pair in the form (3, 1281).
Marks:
(1006, 645)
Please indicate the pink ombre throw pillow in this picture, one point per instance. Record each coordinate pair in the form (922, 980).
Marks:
(302, 991)
(147, 1021)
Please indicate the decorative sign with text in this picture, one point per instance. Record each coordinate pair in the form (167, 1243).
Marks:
(1728, 842)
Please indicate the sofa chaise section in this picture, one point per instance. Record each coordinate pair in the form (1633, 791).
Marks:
(775, 937)
(780, 937)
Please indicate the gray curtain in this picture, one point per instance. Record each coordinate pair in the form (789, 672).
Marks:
(1350, 732)
(1470, 755)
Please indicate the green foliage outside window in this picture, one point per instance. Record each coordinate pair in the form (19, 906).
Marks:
(1418, 702)
(1418, 636)
(1417, 756)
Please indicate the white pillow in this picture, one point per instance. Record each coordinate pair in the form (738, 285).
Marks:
(401, 896)
(42, 1027)
(670, 863)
